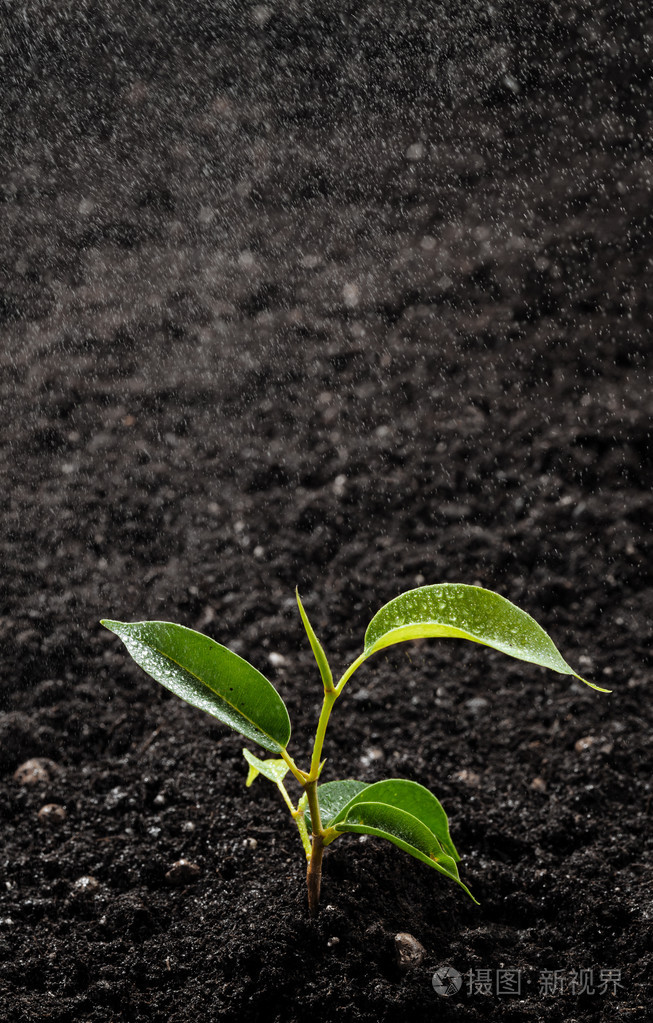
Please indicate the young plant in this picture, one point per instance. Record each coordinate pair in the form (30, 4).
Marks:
(220, 682)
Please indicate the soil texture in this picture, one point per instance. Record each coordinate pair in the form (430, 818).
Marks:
(353, 297)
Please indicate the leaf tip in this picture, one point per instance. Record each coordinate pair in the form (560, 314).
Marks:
(592, 685)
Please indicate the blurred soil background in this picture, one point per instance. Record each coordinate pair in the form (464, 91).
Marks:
(354, 297)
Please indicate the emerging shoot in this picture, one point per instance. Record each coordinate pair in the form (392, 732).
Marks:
(218, 681)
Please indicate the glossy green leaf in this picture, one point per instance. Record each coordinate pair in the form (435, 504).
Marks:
(405, 831)
(332, 796)
(275, 770)
(459, 611)
(209, 676)
(316, 646)
(404, 795)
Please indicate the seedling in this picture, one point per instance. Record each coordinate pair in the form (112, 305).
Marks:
(220, 682)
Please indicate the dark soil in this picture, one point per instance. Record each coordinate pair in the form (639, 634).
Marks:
(353, 297)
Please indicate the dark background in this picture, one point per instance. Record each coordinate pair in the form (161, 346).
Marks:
(353, 297)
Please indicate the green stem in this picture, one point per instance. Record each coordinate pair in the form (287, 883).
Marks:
(286, 798)
(330, 697)
(297, 814)
(314, 807)
(309, 783)
(301, 776)
(300, 821)
(349, 672)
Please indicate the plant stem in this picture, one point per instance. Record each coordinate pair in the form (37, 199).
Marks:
(314, 875)
(330, 697)
(298, 817)
(349, 672)
(301, 776)
(286, 798)
(300, 821)
(314, 869)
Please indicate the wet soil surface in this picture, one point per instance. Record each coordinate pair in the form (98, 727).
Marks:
(354, 299)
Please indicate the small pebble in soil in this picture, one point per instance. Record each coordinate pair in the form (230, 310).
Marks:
(583, 744)
(36, 771)
(538, 784)
(182, 872)
(52, 813)
(332, 942)
(85, 885)
(250, 843)
(410, 951)
(476, 704)
(470, 778)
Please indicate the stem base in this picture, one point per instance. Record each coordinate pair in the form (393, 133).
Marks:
(314, 875)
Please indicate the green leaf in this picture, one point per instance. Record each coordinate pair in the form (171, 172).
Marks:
(316, 647)
(465, 612)
(405, 831)
(332, 796)
(404, 795)
(209, 676)
(275, 770)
